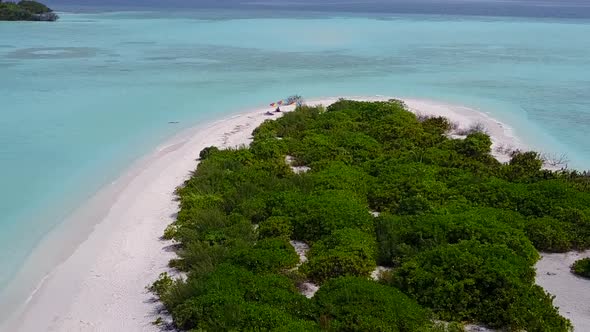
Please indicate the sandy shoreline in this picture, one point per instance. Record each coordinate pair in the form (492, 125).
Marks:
(572, 292)
(100, 286)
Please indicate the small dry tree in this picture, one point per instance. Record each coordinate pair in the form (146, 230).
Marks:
(505, 149)
(555, 160)
(477, 127)
(295, 99)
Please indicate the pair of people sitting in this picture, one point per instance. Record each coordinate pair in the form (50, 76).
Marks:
(277, 110)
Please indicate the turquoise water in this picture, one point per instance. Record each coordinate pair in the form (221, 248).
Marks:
(84, 97)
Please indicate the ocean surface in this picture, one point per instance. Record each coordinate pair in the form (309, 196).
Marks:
(82, 98)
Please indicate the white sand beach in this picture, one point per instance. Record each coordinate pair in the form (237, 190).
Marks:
(100, 285)
(572, 293)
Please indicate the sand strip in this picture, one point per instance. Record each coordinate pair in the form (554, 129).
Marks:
(572, 293)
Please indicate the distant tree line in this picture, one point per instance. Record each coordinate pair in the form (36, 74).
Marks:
(459, 230)
(26, 11)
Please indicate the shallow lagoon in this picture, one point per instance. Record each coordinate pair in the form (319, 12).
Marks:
(84, 97)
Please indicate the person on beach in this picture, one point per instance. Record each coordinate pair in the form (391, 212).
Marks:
(278, 109)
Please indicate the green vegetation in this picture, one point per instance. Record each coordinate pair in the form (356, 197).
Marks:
(357, 304)
(26, 10)
(582, 267)
(460, 230)
(402, 237)
(345, 252)
(485, 282)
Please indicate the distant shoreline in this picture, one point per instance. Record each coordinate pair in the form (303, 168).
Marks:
(502, 10)
(26, 10)
(99, 280)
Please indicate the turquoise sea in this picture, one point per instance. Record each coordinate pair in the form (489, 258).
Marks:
(81, 98)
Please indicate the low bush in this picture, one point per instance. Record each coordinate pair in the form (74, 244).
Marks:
(471, 281)
(207, 152)
(346, 252)
(357, 304)
(319, 214)
(267, 255)
(276, 227)
(232, 298)
(582, 267)
(400, 238)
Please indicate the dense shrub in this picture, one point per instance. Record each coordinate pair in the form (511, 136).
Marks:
(549, 234)
(338, 176)
(400, 238)
(346, 252)
(437, 126)
(231, 298)
(207, 152)
(582, 267)
(267, 255)
(476, 145)
(214, 227)
(357, 304)
(523, 165)
(269, 148)
(485, 282)
(276, 227)
(405, 188)
(317, 215)
(316, 148)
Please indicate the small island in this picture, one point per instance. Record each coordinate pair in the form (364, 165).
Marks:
(364, 216)
(26, 11)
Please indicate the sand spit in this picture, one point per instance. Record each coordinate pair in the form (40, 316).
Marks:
(101, 285)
